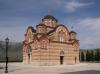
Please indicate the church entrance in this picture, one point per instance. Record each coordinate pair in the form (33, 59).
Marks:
(61, 57)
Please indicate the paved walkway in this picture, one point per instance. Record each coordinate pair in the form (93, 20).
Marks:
(82, 68)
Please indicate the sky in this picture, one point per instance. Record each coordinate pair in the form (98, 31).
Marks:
(82, 15)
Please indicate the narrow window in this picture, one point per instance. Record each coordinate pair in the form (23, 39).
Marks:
(44, 44)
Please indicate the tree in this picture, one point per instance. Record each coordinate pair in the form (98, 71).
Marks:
(88, 56)
(97, 55)
(92, 56)
(82, 56)
(14, 51)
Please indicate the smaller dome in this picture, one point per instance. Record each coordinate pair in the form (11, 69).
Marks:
(41, 28)
(73, 32)
(50, 17)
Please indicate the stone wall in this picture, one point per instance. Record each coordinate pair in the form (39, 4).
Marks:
(51, 55)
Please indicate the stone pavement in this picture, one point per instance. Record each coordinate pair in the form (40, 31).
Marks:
(82, 68)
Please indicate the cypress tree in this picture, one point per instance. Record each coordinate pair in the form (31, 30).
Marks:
(92, 55)
(82, 57)
(87, 56)
(97, 55)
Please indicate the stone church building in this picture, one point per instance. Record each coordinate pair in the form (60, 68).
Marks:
(50, 43)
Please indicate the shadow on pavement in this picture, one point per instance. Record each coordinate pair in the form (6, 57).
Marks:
(84, 72)
(1, 67)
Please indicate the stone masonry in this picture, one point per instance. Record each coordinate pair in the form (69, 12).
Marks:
(50, 43)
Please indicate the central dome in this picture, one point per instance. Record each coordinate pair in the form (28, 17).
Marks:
(50, 17)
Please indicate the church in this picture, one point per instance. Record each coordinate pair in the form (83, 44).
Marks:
(50, 43)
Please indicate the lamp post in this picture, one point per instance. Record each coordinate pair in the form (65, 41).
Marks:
(7, 42)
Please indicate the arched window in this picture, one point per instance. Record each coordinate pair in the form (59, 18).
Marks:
(29, 39)
(29, 49)
(44, 44)
(61, 53)
(61, 35)
(61, 39)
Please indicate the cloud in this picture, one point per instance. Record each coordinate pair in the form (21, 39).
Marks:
(73, 5)
(89, 32)
(92, 23)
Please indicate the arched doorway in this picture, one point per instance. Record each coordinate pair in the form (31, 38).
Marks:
(61, 57)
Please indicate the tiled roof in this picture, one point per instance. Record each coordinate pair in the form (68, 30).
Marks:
(41, 24)
(56, 28)
(50, 17)
(73, 32)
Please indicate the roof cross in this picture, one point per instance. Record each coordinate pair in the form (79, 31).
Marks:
(49, 11)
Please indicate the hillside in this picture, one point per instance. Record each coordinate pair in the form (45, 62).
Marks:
(14, 51)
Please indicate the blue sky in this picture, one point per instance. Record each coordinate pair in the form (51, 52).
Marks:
(83, 15)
